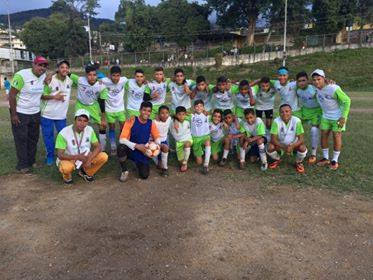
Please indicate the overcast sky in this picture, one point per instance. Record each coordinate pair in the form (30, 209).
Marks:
(107, 10)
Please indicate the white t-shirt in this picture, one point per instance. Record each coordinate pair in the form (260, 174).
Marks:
(288, 94)
(183, 132)
(216, 131)
(243, 101)
(178, 96)
(199, 125)
(135, 94)
(307, 97)
(163, 128)
(88, 94)
(328, 103)
(263, 100)
(161, 88)
(115, 101)
(55, 109)
(287, 133)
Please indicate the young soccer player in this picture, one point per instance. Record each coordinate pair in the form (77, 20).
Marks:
(180, 130)
(137, 92)
(287, 135)
(158, 89)
(244, 99)
(163, 123)
(233, 136)
(91, 96)
(203, 91)
(224, 94)
(201, 135)
(180, 90)
(254, 136)
(114, 104)
(335, 105)
(216, 134)
(311, 111)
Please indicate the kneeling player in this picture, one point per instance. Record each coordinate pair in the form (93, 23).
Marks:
(287, 135)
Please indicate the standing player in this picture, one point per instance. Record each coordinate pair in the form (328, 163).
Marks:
(203, 91)
(244, 99)
(158, 89)
(216, 134)
(181, 91)
(114, 104)
(223, 97)
(335, 105)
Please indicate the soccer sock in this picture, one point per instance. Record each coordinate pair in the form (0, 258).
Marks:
(164, 157)
(112, 137)
(207, 156)
(242, 154)
(325, 153)
(102, 137)
(314, 140)
(186, 154)
(300, 156)
(225, 153)
(274, 155)
(262, 153)
(268, 135)
(336, 155)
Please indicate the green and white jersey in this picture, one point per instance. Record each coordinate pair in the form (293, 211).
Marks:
(115, 101)
(30, 89)
(307, 97)
(66, 140)
(205, 96)
(88, 94)
(288, 93)
(264, 100)
(135, 94)
(255, 129)
(216, 131)
(183, 132)
(199, 124)
(287, 133)
(243, 101)
(55, 109)
(178, 96)
(161, 88)
(333, 102)
(224, 100)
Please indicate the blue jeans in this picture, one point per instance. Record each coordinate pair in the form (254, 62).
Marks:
(47, 129)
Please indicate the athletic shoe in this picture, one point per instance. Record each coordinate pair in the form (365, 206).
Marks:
(68, 182)
(205, 170)
(124, 176)
(312, 159)
(85, 176)
(49, 161)
(24, 170)
(223, 162)
(274, 164)
(242, 165)
(323, 162)
(113, 150)
(299, 167)
(264, 166)
(334, 165)
(183, 167)
(164, 172)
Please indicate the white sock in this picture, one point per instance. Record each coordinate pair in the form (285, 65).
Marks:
(274, 155)
(242, 154)
(102, 138)
(225, 153)
(262, 153)
(336, 155)
(268, 135)
(325, 153)
(186, 154)
(314, 139)
(164, 157)
(207, 156)
(300, 156)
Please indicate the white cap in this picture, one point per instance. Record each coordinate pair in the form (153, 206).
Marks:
(318, 72)
(82, 112)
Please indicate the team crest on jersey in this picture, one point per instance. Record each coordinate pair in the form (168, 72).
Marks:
(292, 128)
(282, 130)
(87, 139)
(73, 142)
(68, 86)
(56, 88)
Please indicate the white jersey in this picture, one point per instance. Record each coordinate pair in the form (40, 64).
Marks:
(85, 137)
(328, 103)
(183, 132)
(243, 101)
(178, 96)
(205, 96)
(161, 88)
(29, 96)
(55, 109)
(163, 128)
(287, 133)
(288, 94)
(223, 100)
(88, 94)
(307, 97)
(264, 100)
(135, 94)
(199, 125)
(216, 131)
(115, 101)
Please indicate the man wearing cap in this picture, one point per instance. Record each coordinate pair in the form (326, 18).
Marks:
(24, 102)
(78, 148)
(54, 106)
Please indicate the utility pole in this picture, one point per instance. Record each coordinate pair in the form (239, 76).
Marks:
(89, 39)
(285, 27)
(11, 57)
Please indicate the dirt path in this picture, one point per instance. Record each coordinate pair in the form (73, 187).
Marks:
(185, 227)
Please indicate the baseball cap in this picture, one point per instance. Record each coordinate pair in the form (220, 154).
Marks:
(318, 72)
(40, 60)
(82, 112)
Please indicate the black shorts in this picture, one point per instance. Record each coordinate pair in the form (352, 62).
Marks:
(268, 113)
(254, 149)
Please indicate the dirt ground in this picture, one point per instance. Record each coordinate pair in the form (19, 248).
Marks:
(185, 227)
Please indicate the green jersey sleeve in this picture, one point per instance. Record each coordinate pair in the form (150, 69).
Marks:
(272, 82)
(93, 137)
(61, 142)
(18, 83)
(126, 86)
(260, 129)
(299, 129)
(104, 94)
(147, 90)
(211, 87)
(344, 101)
(274, 128)
(235, 89)
(75, 79)
(47, 90)
(255, 89)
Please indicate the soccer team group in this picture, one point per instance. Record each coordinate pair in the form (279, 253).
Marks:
(208, 120)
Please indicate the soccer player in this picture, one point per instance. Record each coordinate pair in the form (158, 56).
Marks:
(54, 106)
(181, 91)
(137, 92)
(24, 104)
(287, 135)
(201, 135)
(311, 111)
(244, 99)
(203, 91)
(180, 130)
(254, 136)
(78, 148)
(216, 134)
(158, 89)
(223, 96)
(135, 134)
(114, 104)
(91, 96)
(335, 105)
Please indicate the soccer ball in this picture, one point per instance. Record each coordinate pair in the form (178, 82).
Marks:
(152, 149)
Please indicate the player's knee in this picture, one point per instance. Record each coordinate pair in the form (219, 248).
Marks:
(302, 148)
(122, 151)
(66, 168)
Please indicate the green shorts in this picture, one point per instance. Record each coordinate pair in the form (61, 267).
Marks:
(132, 113)
(93, 110)
(326, 124)
(180, 149)
(154, 113)
(117, 116)
(312, 115)
(199, 144)
(297, 114)
(216, 147)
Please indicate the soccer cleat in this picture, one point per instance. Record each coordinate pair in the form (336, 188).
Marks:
(299, 167)
(312, 159)
(274, 164)
(334, 165)
(264, 166)
(223, 162)
(205, 170)
(25, 170)
(323, 162)
(242, 165)
(85, 176)
(164, 172)
(124, 176)
(183, 167)
(68, 182)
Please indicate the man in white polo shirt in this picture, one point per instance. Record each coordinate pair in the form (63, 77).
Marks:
(24, 102)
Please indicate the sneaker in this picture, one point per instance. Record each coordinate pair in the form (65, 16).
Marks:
(264, 166)
(299, 167)
(334, 165)
(274, 164)
(183, 167)
(164, 172)
(68, 182)
(49, 161)
(24, 170)
(205, 170)
(323, 162)
(242, 165)
(113, 151)
(85, 176)
(312, 159)
(223, 162)
(124, 176)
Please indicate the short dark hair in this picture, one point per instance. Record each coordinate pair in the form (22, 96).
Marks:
(84, 116)
(227, 112)
(163, 107)
(200, 79)
(285, 105)
(218, 111)
(115, 70)
(146, 104)
(249, 111)
(5, 78)
(63, 62)
(264, 80)
(178, 70)
(222, 79)
(199, 101)
(302, 74)
(139, 71)
(180, 109)
(244, 83)
(89, 69)
(158, 69)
